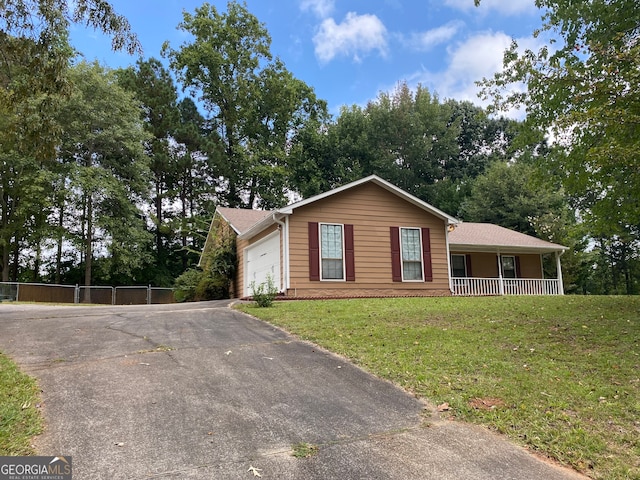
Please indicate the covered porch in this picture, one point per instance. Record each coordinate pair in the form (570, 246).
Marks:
(486, 259)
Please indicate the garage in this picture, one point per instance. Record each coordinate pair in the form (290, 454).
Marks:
(262, 259)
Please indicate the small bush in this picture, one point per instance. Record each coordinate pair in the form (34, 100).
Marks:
(186, 285)
(265, 293)
(211, 288)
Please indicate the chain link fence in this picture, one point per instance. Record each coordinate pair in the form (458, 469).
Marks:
(41, 292)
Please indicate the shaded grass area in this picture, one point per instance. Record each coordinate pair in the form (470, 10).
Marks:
(560, 375)
(20, 417)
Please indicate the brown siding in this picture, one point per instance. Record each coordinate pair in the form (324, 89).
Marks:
(485, 265)
(372, 210)
(530, 266)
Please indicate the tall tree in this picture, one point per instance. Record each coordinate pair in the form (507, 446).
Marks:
(154, 88)
(584, 86)
(34, 57)
(248, 98)
(514, 196)
(103, 144)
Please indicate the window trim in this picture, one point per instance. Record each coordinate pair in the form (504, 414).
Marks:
(344, 269)
(464, 257)
(421, 250)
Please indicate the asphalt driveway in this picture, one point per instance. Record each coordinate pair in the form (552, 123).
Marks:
(200, 391)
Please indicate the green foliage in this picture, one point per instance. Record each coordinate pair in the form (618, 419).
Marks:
(186, 285)
(561, 372)
(514, 196)
(431, 149)
(584, 86)
(255, 104)
(102, 147)
(265, 293)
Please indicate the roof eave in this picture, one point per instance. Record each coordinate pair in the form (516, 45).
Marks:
(263, 224)
(474, 248)
(381, 183)
(218, 212)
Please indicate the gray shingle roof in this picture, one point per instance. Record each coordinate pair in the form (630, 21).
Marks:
(242, 219)
(495, 236)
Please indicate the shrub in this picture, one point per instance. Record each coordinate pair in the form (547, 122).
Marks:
(265, 293)
(212, 288)
(186, 285)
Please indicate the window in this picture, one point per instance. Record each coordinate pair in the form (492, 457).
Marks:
(411, 254)
(411, 248)
(331, 252)
(509, 266)
(459, 265)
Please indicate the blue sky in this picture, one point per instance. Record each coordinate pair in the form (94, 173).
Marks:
(350, 50)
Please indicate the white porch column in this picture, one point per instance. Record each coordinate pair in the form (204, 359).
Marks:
(559, 273)
(501, 280)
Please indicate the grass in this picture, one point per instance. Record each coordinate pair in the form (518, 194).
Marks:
(20, 417)
(304, 450)
(560, 375)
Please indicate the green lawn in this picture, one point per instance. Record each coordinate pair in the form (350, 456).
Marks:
(20, 417)
(560, 375)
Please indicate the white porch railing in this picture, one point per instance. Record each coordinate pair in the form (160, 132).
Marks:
(475, 287)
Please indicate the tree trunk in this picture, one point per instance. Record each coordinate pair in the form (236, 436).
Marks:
(88, 253)
(59, 249)
(158, 203)
(16, 260)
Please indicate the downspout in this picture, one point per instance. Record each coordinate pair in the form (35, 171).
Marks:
(285, 253)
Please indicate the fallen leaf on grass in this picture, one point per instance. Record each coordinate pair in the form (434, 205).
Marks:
(486, 403)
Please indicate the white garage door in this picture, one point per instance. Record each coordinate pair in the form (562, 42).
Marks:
(263, 259)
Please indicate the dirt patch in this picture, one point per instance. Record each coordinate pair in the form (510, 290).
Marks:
(486, 403)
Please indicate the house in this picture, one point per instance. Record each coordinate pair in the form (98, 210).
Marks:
(371, 238)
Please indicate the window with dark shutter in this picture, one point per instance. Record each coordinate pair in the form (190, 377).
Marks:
(349, 254)
(396, 267)
(314, 252)
(426, 255)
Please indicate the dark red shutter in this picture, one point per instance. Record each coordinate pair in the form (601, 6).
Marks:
(426, 255)
(349, 255)
(467, 259)
(518, 272)
(396, 268)
(314, 252)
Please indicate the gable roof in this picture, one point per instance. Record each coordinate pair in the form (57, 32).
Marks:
(381, 183)
(272, 217)
(489, 237)
(241, 219)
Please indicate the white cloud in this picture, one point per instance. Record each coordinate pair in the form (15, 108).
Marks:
(357, 35)
(506, 7)
(322, 8)
(480, 56)
(424, 41)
